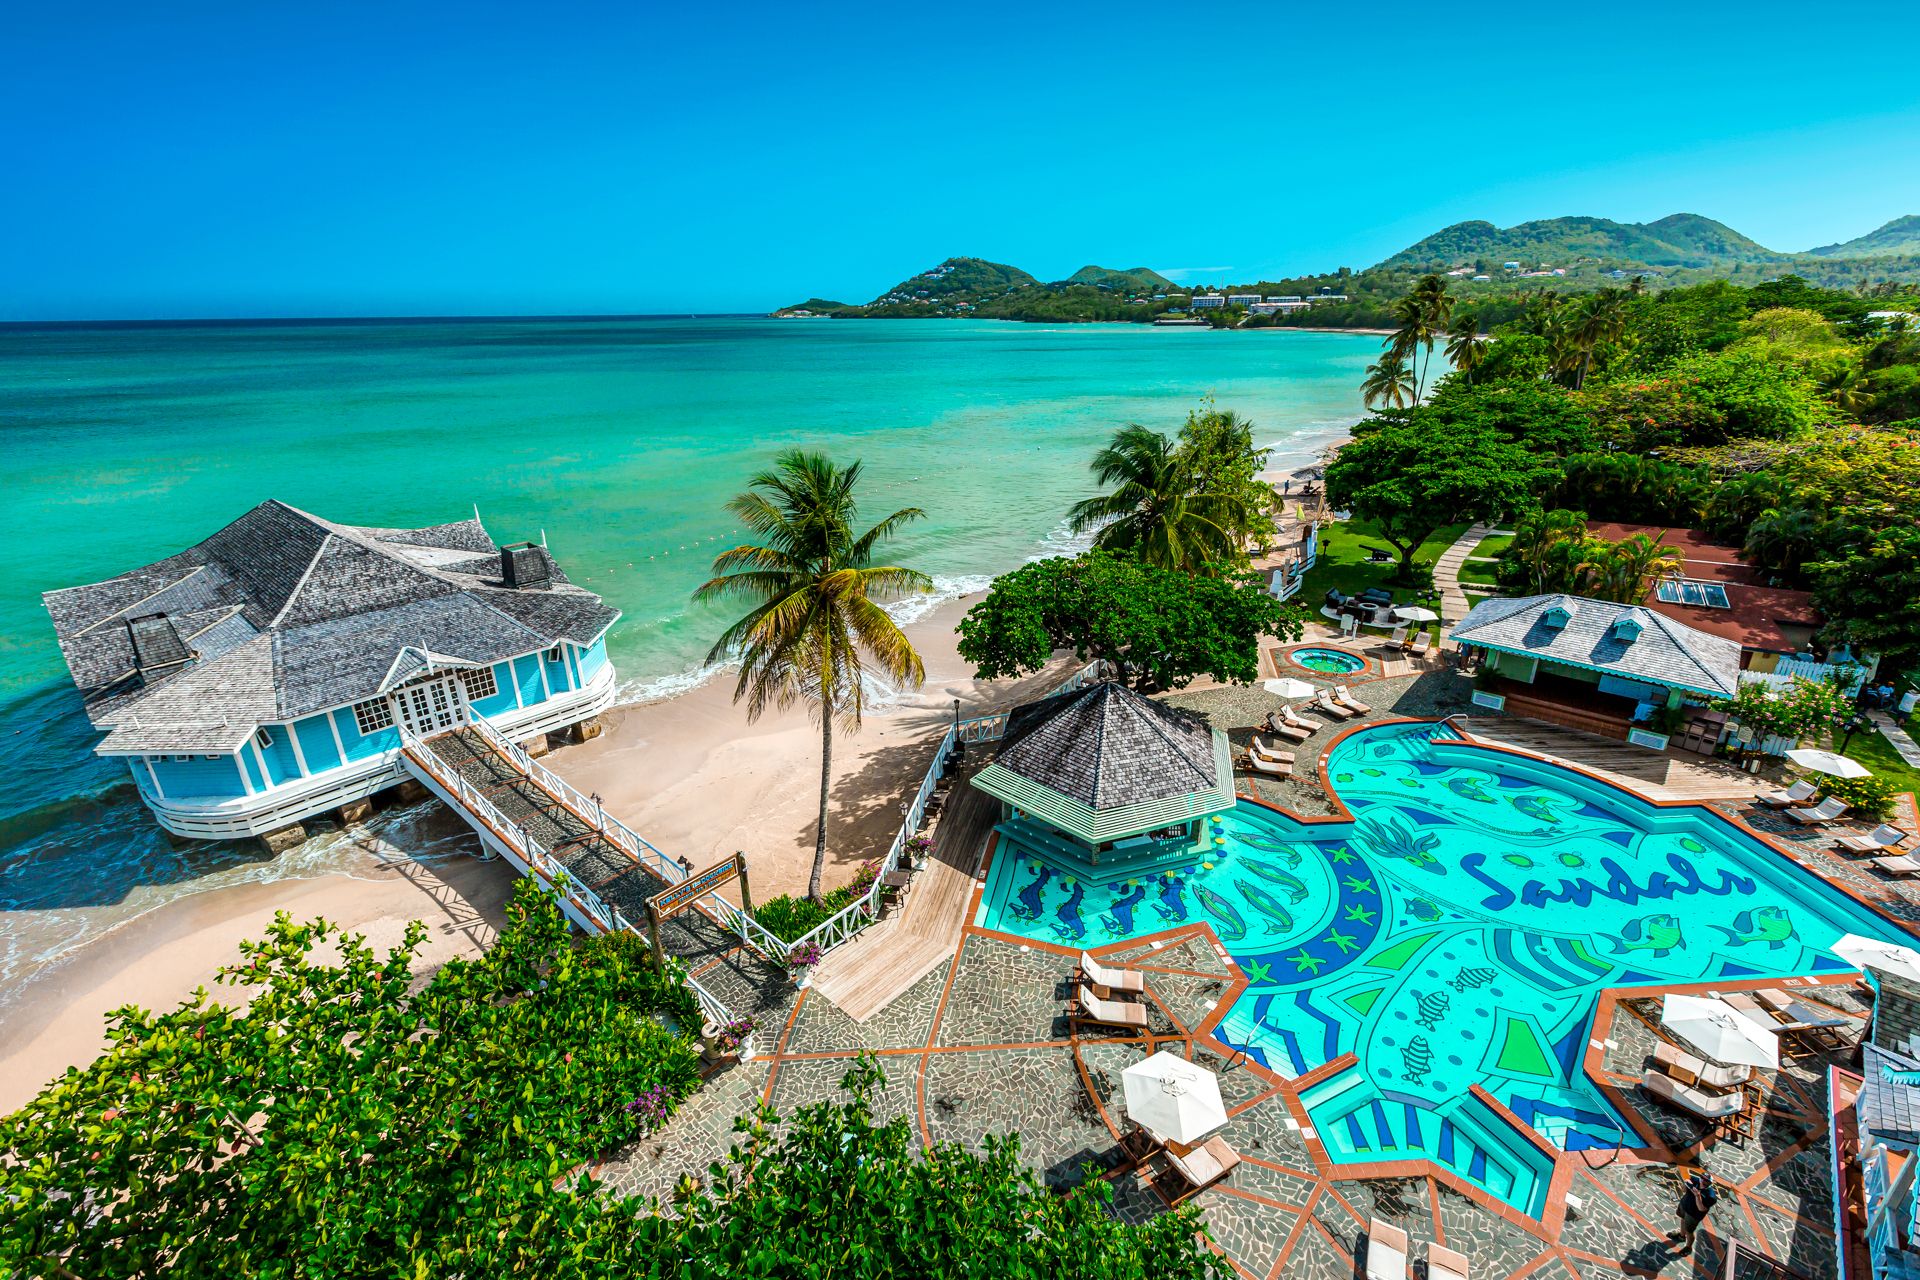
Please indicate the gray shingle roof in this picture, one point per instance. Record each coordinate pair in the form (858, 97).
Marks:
(1666, 652)
(1889, 1106)
(1107, 746)
(287, 614)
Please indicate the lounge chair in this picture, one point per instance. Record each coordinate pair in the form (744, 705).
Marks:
(1420, 643)
(1210, 1163)
(1884, 836)
(1260, 764)
(1794, 796)
(1271, 751)
(1109, 983)
(1717, 1107)
(1089, 1008)
(1399, 637)
(1386, 1251)
(1444, 1264)
(1290, 715)
(1821, 814)
(1326, 706)
(1671, 1060)
(1900, 866)
(1287, 729)
(1344, 697)
(1797, 1015)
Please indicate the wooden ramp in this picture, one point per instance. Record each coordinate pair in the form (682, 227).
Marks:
(1657, 775)
(865, 975)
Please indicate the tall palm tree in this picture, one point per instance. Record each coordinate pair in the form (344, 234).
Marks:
(815, 626)
(1623, 571)
(1389, 382)
(1157, 510)
(1422, 316)
(1467, 346)
(1538, 538)
(1601, 320)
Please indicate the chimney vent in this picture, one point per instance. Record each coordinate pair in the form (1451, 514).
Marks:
(525, 567)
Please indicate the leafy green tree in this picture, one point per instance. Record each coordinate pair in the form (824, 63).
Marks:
(1411, 478)
(1157, 510)
(1388, 382)
(1466, 346)
(1708, 399)
(1549, 548)
(1544, 417)
(816, 625)
(1421, 317)
(1803, 708)
(1628, 487)
(1601, 320)
(1871, 597)
(342, 1122)
(1159, 627)
(1624, 571)
(1216, 450)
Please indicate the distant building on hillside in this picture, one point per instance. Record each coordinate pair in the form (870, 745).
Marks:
(1207, 300)
(1511, 266)
(1278, 308)
(1242, 299)
(1458, 272)
(1481, 279)
(1326, 297)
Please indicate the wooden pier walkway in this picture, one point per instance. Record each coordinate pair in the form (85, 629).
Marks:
(864, 976)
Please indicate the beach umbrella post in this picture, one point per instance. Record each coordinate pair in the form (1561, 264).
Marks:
(1828, 762)
(1175, 1100)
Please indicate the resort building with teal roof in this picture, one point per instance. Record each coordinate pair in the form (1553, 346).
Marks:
(267, 673)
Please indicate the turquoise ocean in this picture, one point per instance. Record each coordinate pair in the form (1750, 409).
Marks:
(618, 440)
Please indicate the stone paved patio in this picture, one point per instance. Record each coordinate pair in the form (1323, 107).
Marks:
(979, 1046)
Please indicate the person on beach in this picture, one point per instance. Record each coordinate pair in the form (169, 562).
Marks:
(1697, 1198)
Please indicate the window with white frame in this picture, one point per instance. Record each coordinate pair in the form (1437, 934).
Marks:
(480, 683)
(263, 736)
(372, 716)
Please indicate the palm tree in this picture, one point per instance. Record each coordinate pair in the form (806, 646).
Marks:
(815, 625)
(1537, 538)
(1388, 382)
(1622, 571)
(1422, 316)
(1157, 511)
(1601, 320)
(1467, 346)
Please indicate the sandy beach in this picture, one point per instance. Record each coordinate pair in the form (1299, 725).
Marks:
(689, 773)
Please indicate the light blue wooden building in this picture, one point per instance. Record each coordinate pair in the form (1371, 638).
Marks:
(265, 675)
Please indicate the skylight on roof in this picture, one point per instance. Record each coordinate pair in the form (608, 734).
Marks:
(1704, 595)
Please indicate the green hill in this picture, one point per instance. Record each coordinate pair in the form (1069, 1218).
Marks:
(1679, 240)
(957, 279)
(1136, 279)
(1901, 237)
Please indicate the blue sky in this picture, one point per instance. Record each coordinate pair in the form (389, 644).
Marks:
(422, 158)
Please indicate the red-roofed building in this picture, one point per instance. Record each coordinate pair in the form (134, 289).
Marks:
(1719, 593)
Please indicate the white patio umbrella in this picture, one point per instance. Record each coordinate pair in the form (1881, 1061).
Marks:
(1871, 953)
(1172, 1098)
(1290, 688)
(1721, 1032)
(1828, 762)
(1416, 613)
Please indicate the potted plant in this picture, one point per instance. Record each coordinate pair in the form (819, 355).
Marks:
(917, 849)
(800, 962)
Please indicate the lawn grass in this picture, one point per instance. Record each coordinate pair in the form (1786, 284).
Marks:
(1343, 561)
(1872, 749)
(1495, 545)
(1477, 573)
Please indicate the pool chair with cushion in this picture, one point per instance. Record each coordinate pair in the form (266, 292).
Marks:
(1671, 1060)
(1288, 729)
(1208, 1164)
(1260, 764)
(1821, 814)
(1884, 836)
(1344, 697)
(1271, 751)
(1386, 1251)
(1900, 866)
(1326, 706)
(1420, 643)
(1717, 1107)
(1091, 1009)
(1290, 715)
(1109, 983)
(1797, 794)
(1444, 1264)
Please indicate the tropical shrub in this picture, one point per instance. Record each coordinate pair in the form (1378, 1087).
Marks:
(1707, 399)
(1634, 489)
(343, 1123)
(1804, 708)
(1871, 796)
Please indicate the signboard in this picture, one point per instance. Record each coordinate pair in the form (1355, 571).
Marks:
(1491, 701)
(697, 885)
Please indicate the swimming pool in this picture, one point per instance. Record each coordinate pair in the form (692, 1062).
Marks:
(1455, 933)
(1333, 662)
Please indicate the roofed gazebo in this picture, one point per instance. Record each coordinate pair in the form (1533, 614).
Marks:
(1110, 772)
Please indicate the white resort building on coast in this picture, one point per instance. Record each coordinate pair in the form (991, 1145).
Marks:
(261, 676)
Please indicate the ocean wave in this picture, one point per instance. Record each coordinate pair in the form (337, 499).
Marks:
(1062, 540)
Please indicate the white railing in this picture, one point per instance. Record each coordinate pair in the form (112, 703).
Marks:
(863, 910)
(752, 932)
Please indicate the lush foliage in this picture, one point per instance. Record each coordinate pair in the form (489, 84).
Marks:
(1552, 551)
(339, 1125)
(1191, 503)
(815, 626)
(1160, 628)
(1804, 708)
(1633, 489)
(1872, 796)
(789, 919)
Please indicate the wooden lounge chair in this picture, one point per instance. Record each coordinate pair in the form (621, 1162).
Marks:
(1109, 983)
(1200, 1167)
(1815, 1021)
(1091, 1009)
(1900, 866)
(1287, 729)
(1290, 714)
(1386, 1251)
(1716, 1107)
(1420, 644)
(1444, 1264)
(1671, 1060)
(1821, 814)
(1343, 696)
(1271, 751)
(1794, 796)
(1260, 764)
(1884, 836)
(1325, 705)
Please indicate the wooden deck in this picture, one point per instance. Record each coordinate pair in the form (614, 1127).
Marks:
(1654, 774)
(865, 975)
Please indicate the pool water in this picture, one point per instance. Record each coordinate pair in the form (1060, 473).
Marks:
(1333, 662)
(1454, 934)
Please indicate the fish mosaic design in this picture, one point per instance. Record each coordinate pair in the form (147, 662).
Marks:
(1267, 844)
(1227, 920)
(1071, 928)
(1416, 1059)
(1433, 1007)
(1421, 909)
(1119, 917)
(1296, 888)
(1658, 935)
(1468, 789)
(1472, 979)
(1171, 905)
(1278, 918)
(1026, 905)
(1769, 924)
(1538, 807)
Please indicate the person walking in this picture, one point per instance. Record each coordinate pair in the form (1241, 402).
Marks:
(1697, 1198)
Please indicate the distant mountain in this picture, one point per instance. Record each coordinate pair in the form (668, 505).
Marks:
(1679, 240)
(1900, 237)
(1136, 279)
(958, 278)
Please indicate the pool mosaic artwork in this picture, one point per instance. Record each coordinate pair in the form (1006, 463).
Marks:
(1454, 934)
(1332, 662)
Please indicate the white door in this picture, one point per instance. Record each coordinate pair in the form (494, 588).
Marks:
(430, 707)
